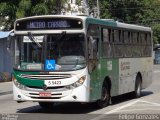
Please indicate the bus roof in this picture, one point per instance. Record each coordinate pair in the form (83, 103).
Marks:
(52, 16)
(116, 24)
(134, 27)
(106, 22)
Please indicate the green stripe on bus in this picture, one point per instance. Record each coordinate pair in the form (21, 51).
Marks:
(26, 81)
(101, 22)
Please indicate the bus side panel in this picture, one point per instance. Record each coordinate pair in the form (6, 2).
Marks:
(105, 68)
(95, 83)
(147, 65)
(109, 68)
(127, 74)
(129, 69)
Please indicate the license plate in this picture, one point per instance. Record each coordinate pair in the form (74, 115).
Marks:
(45, 94)
(51, 83)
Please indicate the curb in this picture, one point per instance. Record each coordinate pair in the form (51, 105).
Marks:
(2, 81)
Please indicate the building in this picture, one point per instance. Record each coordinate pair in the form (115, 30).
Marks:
(6, 58)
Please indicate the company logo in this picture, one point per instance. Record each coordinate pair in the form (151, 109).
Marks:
(44, 87)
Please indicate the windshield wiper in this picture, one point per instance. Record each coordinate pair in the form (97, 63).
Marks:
(62, 35)
(31, 37)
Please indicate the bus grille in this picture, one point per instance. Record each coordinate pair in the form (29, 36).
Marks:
(47, 76)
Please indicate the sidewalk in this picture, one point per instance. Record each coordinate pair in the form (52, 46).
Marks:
(6, 88)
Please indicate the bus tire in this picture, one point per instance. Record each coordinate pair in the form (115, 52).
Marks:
(105, 96)
(46, 105)
(138, 87)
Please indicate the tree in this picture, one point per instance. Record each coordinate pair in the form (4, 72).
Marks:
(124, 10)
(40, 9)
(7, 14)
(141, 12)
(23, 8)
(151, 18)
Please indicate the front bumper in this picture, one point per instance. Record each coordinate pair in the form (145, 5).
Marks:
(79, 94)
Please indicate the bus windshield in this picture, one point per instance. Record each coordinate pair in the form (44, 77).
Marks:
(62, 52)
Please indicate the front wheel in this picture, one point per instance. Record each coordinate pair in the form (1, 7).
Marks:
(105, 96)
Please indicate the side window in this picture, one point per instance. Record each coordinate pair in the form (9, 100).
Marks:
(93, 48)
(128, 44)
(93, 40)
(125, 37)
(111, 36)
(148, 46)
(135, 38)
(142, 43)
(93, 30)
(142, 38)
(116, 36)
(135, 49)
(138, 38)
(107, 50)
(118, 45)
(149, 39)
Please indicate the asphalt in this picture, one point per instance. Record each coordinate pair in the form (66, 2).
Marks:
(6, 88)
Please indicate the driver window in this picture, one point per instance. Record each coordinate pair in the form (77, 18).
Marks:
(93, 52)
(93, 45)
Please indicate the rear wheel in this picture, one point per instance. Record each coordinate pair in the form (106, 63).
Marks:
(105, 96)
(46, 105)
(138, 87)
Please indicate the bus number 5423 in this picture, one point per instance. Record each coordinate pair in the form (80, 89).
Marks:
(52, 83)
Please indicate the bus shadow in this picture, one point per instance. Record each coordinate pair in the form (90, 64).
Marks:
(127, 97)
(64, 108)
(146, 93)
(77, 108)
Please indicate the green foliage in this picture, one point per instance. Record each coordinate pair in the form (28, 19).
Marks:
(104, 12)
(25, 5)
(40, 9)
(128, 11)
(7, 14)
(156, 33)
(51, 6)
(142, 12)
(23, 8)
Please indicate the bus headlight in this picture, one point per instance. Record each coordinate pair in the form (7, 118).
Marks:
(81, 80)
(17, 84)
(78, 83)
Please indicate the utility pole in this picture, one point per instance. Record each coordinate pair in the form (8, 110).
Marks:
(98, 10)
(58, 6)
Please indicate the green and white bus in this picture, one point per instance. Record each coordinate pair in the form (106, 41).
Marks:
(60, 58)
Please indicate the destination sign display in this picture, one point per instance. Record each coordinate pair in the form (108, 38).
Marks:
(48, 24)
